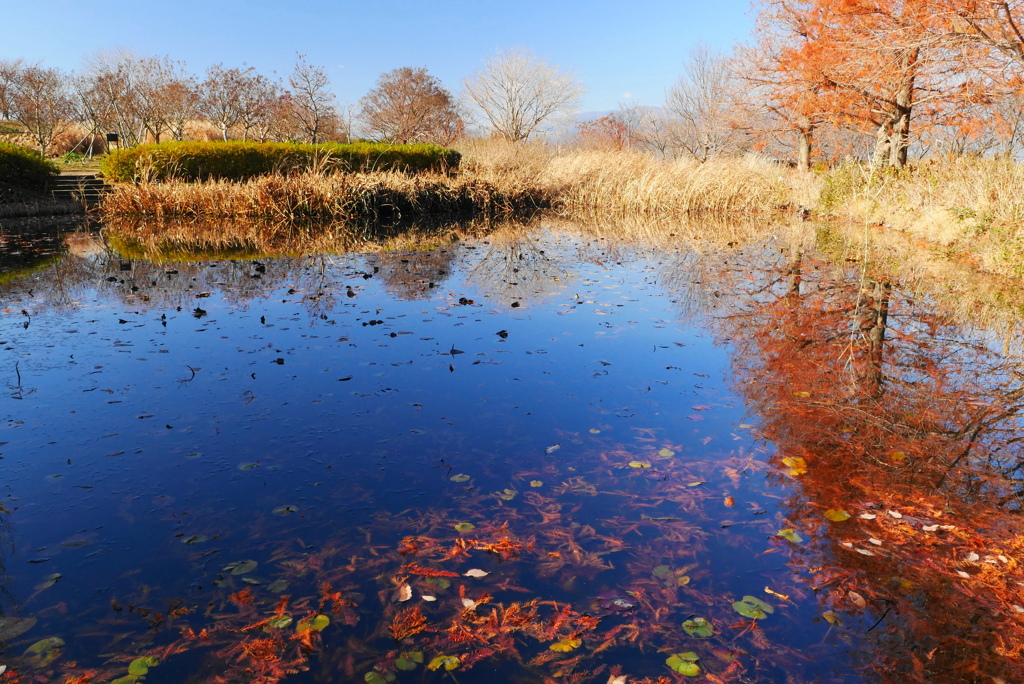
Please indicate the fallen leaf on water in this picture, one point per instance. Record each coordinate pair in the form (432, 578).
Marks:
(857, 599)
(461, 477)
(684, 663)
(404, 593)
(565, 645)
(316, 624)
(639, 464)
(553, 448)
(784, 597)
(447, 662)
(802, 395)
(797, 465)
(468, 603)
(831, 617)
(790, 534)
(666, 453)
(621, 679)
(876, 542)
(465, 526)
(729, 501)
(837, 515)
(476, 572)
(428, 597)
(867, 516)
(896, 514)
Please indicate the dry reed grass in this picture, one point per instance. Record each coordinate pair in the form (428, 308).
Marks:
(964, 208)
(378, 196)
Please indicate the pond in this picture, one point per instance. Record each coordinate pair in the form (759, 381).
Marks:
(540, 453)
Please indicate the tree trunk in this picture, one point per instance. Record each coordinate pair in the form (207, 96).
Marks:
(803, 162)
(883, 141)
(900, 140)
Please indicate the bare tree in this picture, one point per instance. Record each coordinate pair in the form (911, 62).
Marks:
(42, 103)
(517, 92)
(702, 100)
(177, 104)
(312, 101)
(410, 105)
(10, 75)
(233, 98)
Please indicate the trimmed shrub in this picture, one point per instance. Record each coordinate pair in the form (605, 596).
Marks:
(237, 161)
(22, 167)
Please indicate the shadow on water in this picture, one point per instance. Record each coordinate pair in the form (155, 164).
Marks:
(502, 452)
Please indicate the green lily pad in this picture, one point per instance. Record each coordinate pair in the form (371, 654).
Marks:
(140, 666)
(287, 509)
(684, 663)
(789, 534)
(43, 652)
(639, 464)
(536, 483)
(753, 608)
(248, 466)
(441, 583)
(317, 624)
(698, 627)
(666, 453)
(408, 661)
(661, 571)
(281, 622)
(461, 477)
(465, 527)
(127, 679)
(374, 678)
(447, 662)
(507, 495)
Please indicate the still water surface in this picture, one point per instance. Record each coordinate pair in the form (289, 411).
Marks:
(531, 456)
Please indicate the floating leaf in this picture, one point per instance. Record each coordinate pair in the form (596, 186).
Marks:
(127, 679)
(565, 645)
(661, 571)
(802, 395)
(441, 583)
(140, 666)
(897, 456)
(404, 593)
(476, 572)
(698, 627)
(287, 509)
(48, 581)
(278, 586)
(698, 483)
(13, 627)
(374, 678)
(789, 534)
(465, 526)
(753, 608)
(195, 539)
(461, 477)
(43, 652)
(729, 501)
(281, 622)
(639, 464)
(684, 663)
(595, 431)
(666, 453)
(428, 598)
(831, 617)
(447, 662)
(507, 495)
(797, 466)
(241, 567)
(536, 483)
(317, 624)
(837, 515)
(408, 661)
(553, 448)
(248, 466)
(857, 599)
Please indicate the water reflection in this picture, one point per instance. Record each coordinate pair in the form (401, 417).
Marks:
(358, 463)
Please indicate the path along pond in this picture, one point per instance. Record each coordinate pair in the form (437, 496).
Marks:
(548, 453)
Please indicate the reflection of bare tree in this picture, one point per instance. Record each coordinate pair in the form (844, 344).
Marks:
(514, 267)
(412, 274)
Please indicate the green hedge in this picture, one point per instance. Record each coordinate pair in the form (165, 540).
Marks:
(235, 160)
(20, 166)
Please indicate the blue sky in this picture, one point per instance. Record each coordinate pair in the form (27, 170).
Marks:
(616, 47)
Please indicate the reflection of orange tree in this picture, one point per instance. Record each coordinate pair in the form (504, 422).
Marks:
(881, 414)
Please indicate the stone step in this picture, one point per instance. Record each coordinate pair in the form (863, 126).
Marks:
(87, 188)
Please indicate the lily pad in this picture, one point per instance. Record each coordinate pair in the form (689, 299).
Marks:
(666, 453)
(698, 627)
(43, 652)
(507, 495)
(317, 624)
(281, 622)
(536, 483)
(441, 583)
(249, 466)
(565, 645)
(12, 627)
(140, 666)
(837, 515)
(465, 526)
(278, 586)
(195, 539)
(445, 661)
(241, 567)
(460, 477)
(661, 571)
(753, 608)
(287, 509)
(408, 661)
(684, 664)
(790, 534)
(639, 464)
